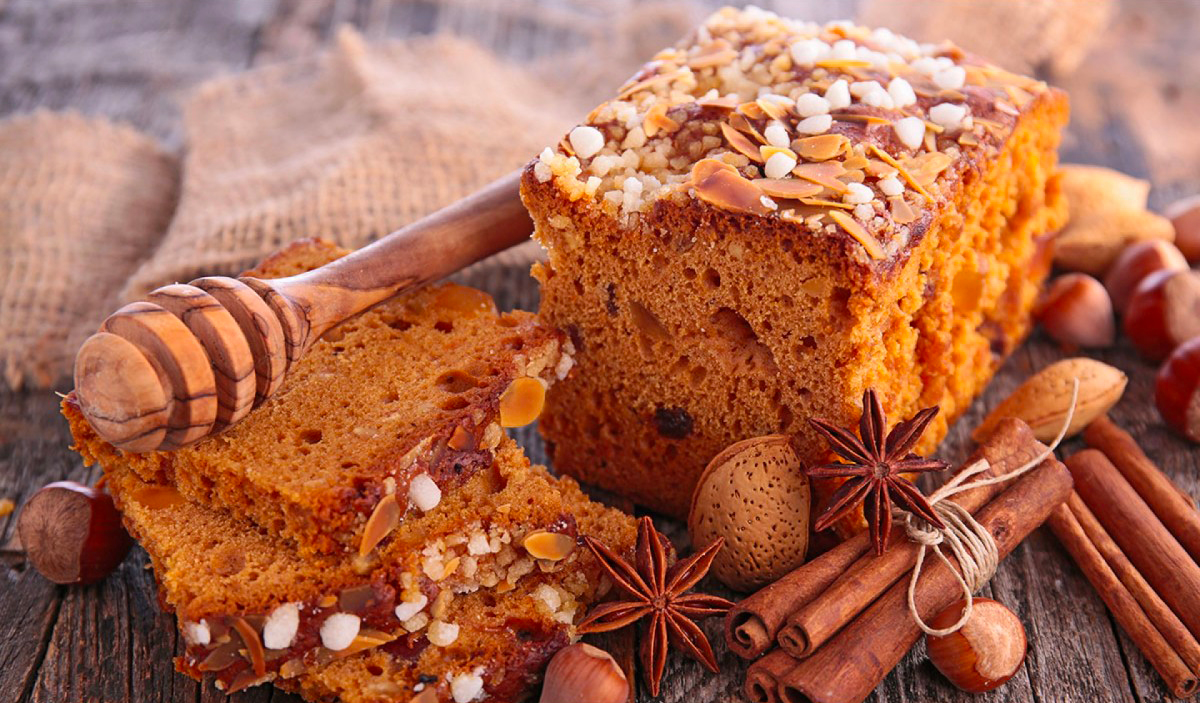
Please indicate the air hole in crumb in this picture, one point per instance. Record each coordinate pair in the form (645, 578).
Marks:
(310, 436)
(689, 273)
(578, 287)
(390, 397)
(786, 417)
(443, 326)
(513, 343)
(508, 320)
(349, 465)
(712, 279)
(374, 670)
(399, 324)
(455, 403)
(456, 382)
(744, 342)
(698, 374)
(646, 322)
(808, 342)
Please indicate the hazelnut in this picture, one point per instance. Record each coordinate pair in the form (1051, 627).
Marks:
(1185, 215)
(73, 533)
(1077, 312)
(581, 673)
(1164, 312)
(985, 653)
(1177, 389)
(1137, 261)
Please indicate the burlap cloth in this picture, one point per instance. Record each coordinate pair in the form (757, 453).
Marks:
(350, 143)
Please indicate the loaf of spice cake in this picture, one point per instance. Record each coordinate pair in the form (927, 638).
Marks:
(771, 217)
(362, 417)
(462, 608)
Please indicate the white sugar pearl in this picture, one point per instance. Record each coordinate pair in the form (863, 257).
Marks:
(948, 115)
(890, 186)
(280, 628)
(806, 52)
(811, 104)
(407, 609)
(843, 49)
(779, 165)
(901, 92)
(777, 135)
(924, 65)
(860, 88)
(442, 634)
(817, 124)
(951, 78)
(863, 212)
(197, 633)
(586, 141)
(910, 131)
(339, 630)
(465, 688)
(424, 493)
(838, 94)
(878, 98)
(857, 193)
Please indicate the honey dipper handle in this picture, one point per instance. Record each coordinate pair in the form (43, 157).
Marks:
(308, 304)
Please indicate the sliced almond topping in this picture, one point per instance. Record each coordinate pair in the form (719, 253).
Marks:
(383, 520)
(825, 173)
(844, 63)
(751, 110)
(821, 147)
(791, 188)
(772, 109)
(551, 546)
(887, 158)
(364, 640)
(766, 151)
(820, 202)
(925, 167)
(657, 121)
(451, 567)
(461, 439)
(522, 402)
(741, 124)
(968, 139)
(327, 601)
(879, 168)
(902, 212)
(854, 229)
(1019, 96)
(858, 161)
(1005, 107)
(291, 668)
(725, 102)
(865, 119)
(647, 83)
(719, 184)
(741, 143)
(254, 647)
(718, 53)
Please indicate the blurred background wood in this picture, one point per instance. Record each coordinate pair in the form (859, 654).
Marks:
(1134, 93)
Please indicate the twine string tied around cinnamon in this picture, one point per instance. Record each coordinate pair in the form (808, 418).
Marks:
(971, 543)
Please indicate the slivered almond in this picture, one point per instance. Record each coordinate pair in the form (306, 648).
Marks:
(772, 109)
(741, 143)
(788, 187)
(751, 110)
(718, 53)
(844, 63)
(825, 173)
(719, 184)
(741, 124)
(821, 202)
(887, 158)
(366, 639)
(725, 102)
(383, 520)
(767, 151)
(821, 147)
(451, 567)
(902, 212)
(657, 121)
(864, 119)
(551, 546)
(254, 646)
(854, 229)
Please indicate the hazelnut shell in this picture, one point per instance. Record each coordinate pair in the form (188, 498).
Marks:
(73, 533)
(985, 653)
(755, 495)
(1177, 390)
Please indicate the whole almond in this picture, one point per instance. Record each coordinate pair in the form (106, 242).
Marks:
(1094, 189)
(1044, 399)
(1091, 243)
(755, 495)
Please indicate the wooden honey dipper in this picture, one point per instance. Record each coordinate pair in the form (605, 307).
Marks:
(192, 359)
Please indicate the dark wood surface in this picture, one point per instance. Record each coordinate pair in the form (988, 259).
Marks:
(111, 642)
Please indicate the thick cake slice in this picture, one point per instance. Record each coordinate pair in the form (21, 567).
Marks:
(393, 407)
(430, 616)
(771, 217)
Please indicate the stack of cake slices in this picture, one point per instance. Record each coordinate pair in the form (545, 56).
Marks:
(370, 533)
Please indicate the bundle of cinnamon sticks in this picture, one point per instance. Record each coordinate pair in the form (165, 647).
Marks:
(833, 628)
(1136, 537)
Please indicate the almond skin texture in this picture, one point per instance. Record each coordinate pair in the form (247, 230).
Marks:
(1164, 312)
(1043, 400)
(1137, 261)
(1094, 189)
(1185, 216)
(1177, 390)
(755, 495)
(1092, 243)
(1077, 312)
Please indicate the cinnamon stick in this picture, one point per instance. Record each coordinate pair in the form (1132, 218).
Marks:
(1151, 604)
(1009, 447)
(763, 676)
(853, 663)
(1176, 510)
(1124, 607)
(754, 624)
(1167, 567)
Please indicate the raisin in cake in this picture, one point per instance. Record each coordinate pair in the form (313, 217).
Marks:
(771, 217)
(405, 400)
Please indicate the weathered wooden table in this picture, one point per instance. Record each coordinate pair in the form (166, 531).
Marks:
(132, 59)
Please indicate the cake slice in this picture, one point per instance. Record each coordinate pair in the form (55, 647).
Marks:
(393, 407)
(252, 609)
(771, 217)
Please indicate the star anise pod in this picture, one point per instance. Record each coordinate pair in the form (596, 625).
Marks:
(662, 594)
(874, 469)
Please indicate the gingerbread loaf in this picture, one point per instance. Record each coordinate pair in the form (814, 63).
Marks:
(771, 217)
(362, 417)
